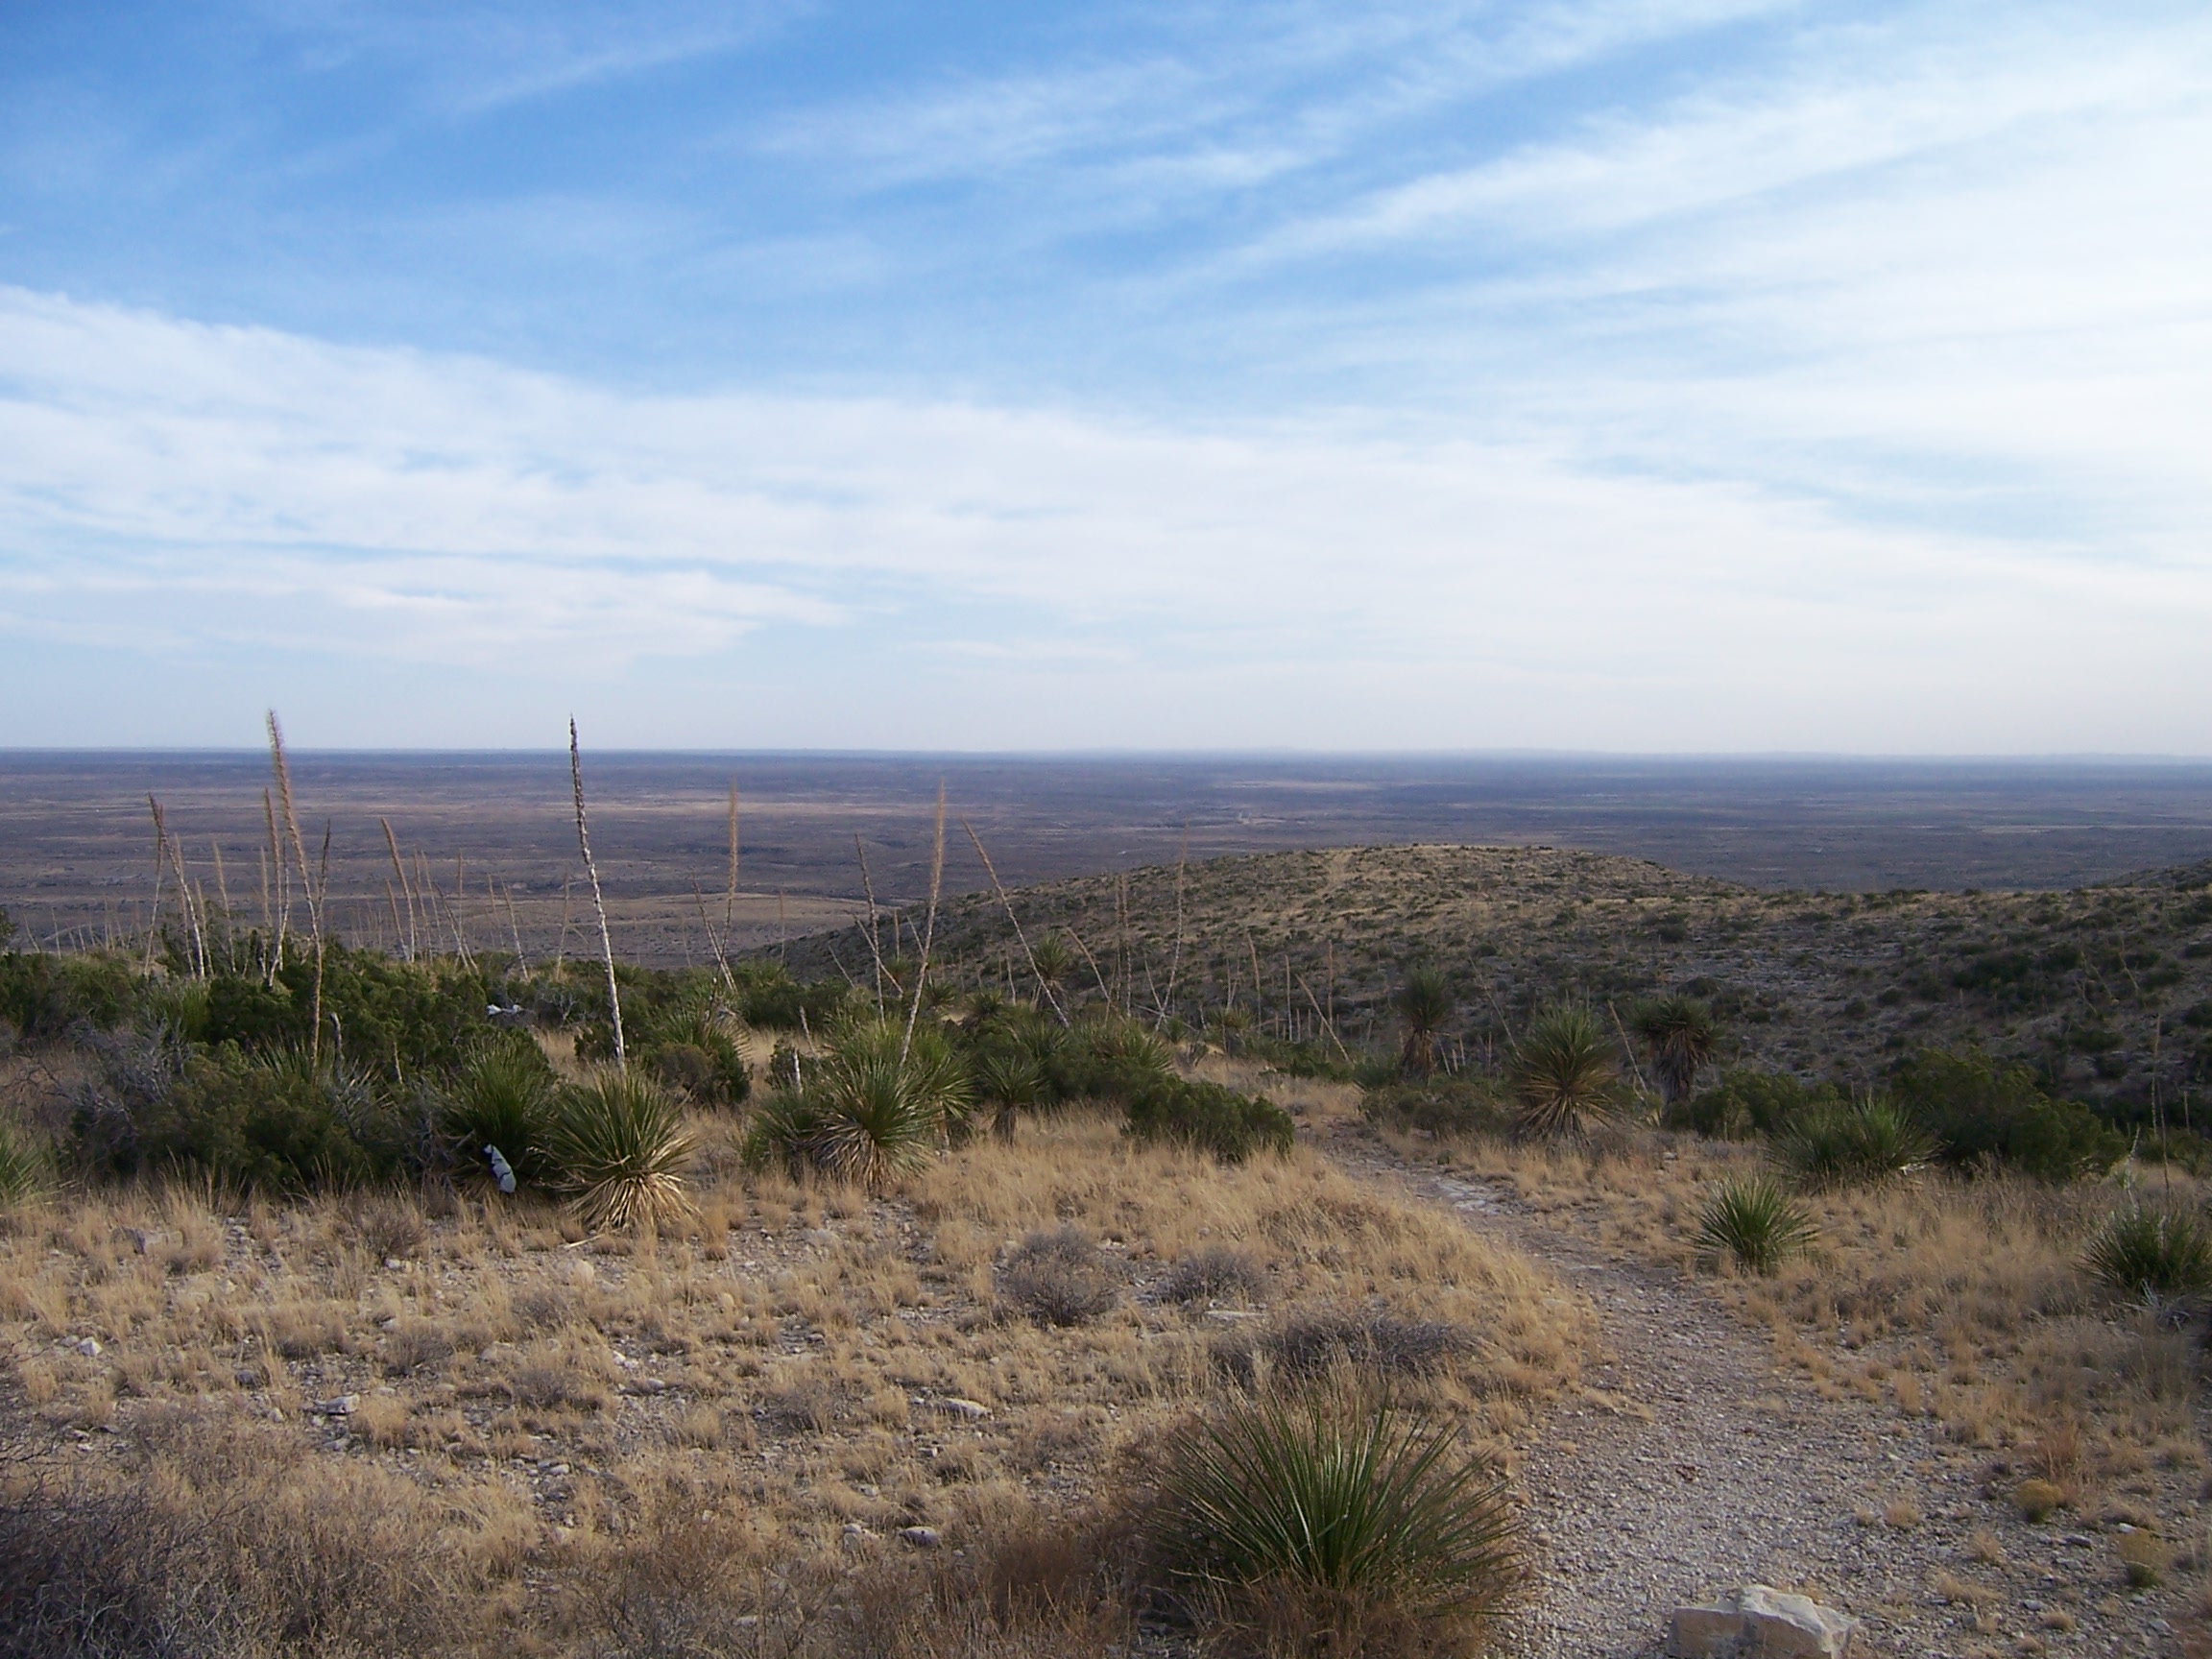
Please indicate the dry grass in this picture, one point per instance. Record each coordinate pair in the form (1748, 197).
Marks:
(662, 1437)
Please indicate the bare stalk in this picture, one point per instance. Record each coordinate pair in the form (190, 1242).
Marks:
(280, 928)
(930, 929)
(1175, 962)
(160, 865)
(598, 902)
(875, 937)
(392, 845)
(730, 894)
(996, 886)
(284, 770)
(514, 927)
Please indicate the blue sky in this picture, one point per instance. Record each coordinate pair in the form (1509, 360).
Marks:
(1656, 374)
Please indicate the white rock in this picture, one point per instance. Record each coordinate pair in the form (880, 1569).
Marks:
(973, 1411)
(921, 1538)
(345, 1405)
(90, 1348)
(1760, 1622)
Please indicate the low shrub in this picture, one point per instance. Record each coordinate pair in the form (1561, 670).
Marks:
(1983, 1111)
(2148, 1250)
(696, 1050)
(1059, 1278)
(616, 1147)
(1859, 1146)
(1330, 1522)
(1755, 1223)
(1311, 1342)
(1437, 1106)
(1216, 1273)
(1747, 1102)
(280, 1121)
(1211, 1118)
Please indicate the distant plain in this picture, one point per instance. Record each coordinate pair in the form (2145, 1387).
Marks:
(76, 839)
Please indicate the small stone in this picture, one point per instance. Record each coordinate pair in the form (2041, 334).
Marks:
(88, 1347)
(344, 1405)
(921, 1538)
(973, 1411)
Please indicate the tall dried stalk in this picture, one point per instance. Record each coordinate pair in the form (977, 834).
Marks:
(929, 930)
(560, 944)
(160, 867)
(283, 770)
(514, 927)
(1175, 962)
(730, 894)
(1044, 985)
(280, 920)
(392, 845)
(598, 903)
(875, 927)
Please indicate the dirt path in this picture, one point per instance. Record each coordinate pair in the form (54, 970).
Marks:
(1692, 1465)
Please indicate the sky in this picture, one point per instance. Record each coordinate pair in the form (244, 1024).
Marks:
(1630, 375)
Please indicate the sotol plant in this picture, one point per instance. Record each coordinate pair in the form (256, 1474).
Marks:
(1755, 1223)
(617, 1146)
(1565, 1073)
(1332, 1520)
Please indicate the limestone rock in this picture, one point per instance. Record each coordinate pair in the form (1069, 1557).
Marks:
(1760, 1622)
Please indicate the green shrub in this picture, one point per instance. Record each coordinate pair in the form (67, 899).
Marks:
(502, 1097)
(616, 1146)
(1211, 1118)
(2148, 1250)
(1436, 1105)
(1565, 1073)
(279, 1122)
(1746, 1102)
(1859, 1146)
(1755, 1223)
(1983, 1111)
(1330, 1522)
(42, 996)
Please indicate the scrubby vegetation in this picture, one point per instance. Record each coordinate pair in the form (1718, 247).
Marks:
(706, 1327)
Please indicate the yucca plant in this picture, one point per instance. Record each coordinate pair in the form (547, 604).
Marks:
(1680, 1037)
(1565, 1073)
(2151, 1250)
(870, 1109)
(1423, 1003)
(24, 1170)
(1859, 1146)
(617, 1146)
(1754, 1222)
(1330, 1519)
(1009, 1083)
(502, 1097)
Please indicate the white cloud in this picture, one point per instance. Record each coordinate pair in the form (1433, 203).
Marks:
(250, 491)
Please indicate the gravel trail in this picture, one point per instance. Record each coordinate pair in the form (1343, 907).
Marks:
(1690, 1464)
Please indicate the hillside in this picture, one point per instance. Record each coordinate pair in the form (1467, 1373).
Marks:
(2101, 987)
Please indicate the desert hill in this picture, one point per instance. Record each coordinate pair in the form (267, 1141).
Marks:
(2105, 989)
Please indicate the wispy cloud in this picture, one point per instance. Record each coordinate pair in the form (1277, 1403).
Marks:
(273, 490)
